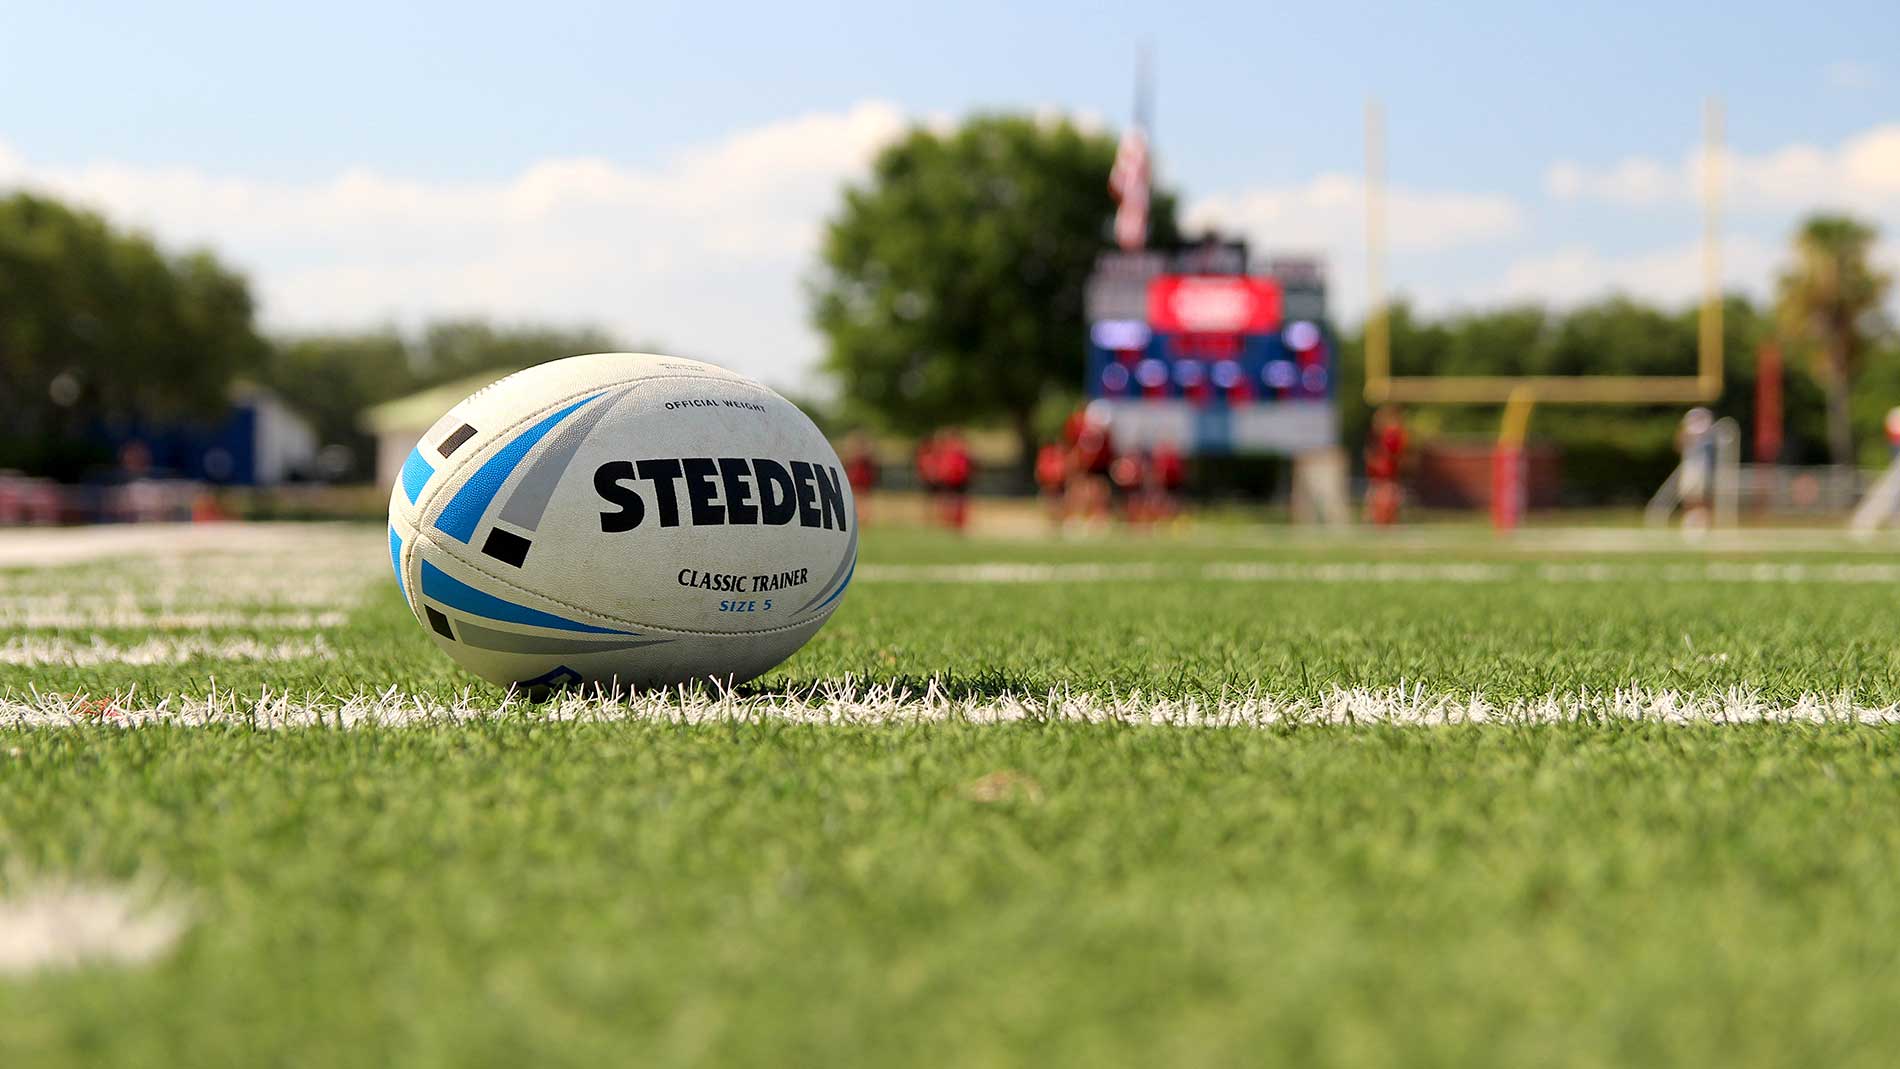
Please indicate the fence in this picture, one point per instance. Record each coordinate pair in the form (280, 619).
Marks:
(27, 501)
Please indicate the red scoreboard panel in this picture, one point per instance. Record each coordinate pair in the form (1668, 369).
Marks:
(1211, 362)
(1230, 305)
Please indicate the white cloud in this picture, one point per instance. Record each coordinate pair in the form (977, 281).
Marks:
(1862, 173)
(1326, 216)
(1852, 75)
(1328, 213)
(1670, 276)
(1768, 192)
(702, 252)
(1632, 181)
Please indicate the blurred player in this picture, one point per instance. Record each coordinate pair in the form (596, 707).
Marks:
(860, 468)
(1091, 450)
(1052, 478)
(1880, 502)
(928, 481)
(953, 479)
(1127, 473)
(1385, 453)
(1695, 479)
(1170, 475)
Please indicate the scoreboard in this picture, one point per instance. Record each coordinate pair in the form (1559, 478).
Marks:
(1191, 350)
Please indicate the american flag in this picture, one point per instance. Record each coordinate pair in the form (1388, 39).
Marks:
(1128, 181)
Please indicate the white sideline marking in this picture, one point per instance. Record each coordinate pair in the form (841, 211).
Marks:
(1369, 572)
(1850, 574)
(181, 579)
(1012, 572)
(46, 546)
(224, 586)
(848, 703)
(63, 926)
(49, 619)
(27, 650)
(1614, 540)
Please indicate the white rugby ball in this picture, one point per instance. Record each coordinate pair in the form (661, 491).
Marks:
(622, 520)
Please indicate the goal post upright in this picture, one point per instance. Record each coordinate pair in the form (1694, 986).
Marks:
(1378, 345)
(1709, 324)
(1519, 394)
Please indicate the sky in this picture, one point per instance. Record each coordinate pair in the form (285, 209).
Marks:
(664, 170)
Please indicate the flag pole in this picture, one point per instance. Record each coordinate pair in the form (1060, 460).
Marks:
(1145, 119)
(1145, 88)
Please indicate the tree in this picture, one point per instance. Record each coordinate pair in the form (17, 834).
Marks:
(951, 284)
(332, 377)
(1830, 302)
(98, 323)
(457, 348)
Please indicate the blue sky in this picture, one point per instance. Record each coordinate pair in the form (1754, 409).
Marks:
(355, 157)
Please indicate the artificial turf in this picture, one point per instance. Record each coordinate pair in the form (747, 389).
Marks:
(514, 891)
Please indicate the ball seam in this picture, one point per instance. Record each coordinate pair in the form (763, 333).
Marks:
(431, 493)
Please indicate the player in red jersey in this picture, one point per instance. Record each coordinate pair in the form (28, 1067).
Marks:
(1052, 478)
(1169, 473)
(1128, 472)
(954, 469)
(860, 468)
(1090, 452)
(1385, 454)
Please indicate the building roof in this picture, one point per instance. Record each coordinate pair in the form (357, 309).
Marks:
(419, 411)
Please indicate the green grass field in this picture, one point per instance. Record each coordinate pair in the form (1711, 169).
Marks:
(1581, 798)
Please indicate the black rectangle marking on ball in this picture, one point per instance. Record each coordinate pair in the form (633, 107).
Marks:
(439, 622)
(506, 546)
(454, 441)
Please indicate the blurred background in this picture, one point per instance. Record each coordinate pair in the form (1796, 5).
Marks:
(1077, 265)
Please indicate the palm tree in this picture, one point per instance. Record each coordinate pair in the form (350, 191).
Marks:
(1831, 300)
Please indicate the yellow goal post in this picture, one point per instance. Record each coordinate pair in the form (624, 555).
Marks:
(1516, 392)
(1519, 394)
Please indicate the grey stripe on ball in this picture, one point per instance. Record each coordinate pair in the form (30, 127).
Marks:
(531, 495)
(514, 642)
(844, 565)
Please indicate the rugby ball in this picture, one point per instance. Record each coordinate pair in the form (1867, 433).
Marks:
(622, 520)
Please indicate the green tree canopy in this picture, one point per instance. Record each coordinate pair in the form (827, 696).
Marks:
(1829, 304)
(332, 377)
(951, 285)
(457, 348)
(99, 323)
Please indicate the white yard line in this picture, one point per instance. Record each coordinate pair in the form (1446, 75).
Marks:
(186, 567)
(1355, 572)
(49, 546)
(184, 577)
(58, 925)
(1014, 572)
(851, 704)
(1608, 540)
(1372, 572)
(49, 619)
(32, 650)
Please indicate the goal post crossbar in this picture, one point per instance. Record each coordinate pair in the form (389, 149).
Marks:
(1545, 389)
(1704, 386)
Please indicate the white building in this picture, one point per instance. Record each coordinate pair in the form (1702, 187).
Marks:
(398, 425)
